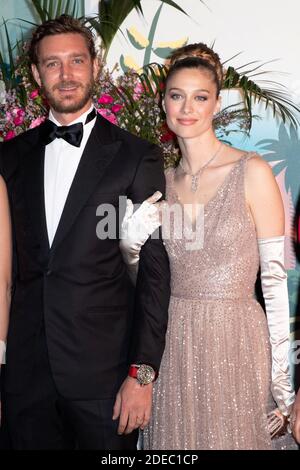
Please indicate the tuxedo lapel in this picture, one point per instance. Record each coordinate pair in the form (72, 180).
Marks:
(93, 163)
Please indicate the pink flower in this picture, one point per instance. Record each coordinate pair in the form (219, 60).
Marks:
(108, 115)
(20, 112)
(36, 122)
(18, 120)
(34, 94)
(105, 99)
(116, 108)
(10, 135)
(138, 91)
(8, 116)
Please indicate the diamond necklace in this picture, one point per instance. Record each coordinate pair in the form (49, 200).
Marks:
(195, 176)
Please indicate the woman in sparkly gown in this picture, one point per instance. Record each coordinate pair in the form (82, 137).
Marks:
(219, 378)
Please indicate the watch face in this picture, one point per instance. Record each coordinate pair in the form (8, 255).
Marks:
(145, 374)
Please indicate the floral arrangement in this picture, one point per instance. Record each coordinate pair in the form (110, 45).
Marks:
(130, 100)
(133, 99)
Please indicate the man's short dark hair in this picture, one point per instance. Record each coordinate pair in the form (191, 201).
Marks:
(64, 24)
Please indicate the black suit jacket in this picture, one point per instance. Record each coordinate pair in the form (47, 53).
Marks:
(79, 289)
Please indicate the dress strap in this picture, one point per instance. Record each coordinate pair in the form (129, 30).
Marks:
(249, 155)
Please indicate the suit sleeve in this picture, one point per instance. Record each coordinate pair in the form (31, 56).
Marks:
(8, 168)
(5, 164)
(8, 160)
(153, 282)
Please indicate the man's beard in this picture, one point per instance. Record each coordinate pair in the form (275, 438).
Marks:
(70, 105)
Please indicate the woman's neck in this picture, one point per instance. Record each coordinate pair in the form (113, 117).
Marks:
(197, 151)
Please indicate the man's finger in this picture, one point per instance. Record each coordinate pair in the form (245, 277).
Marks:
(138, 422)
(123, 422)
(117, 407)
(145, 421)
(131, 425)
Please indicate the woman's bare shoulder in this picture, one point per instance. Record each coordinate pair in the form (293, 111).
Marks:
(255, 163)
(260, 182)
(258, 168)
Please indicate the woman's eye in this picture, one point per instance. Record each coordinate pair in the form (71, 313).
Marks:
(201, 98)
(78, 61)
(175, 96)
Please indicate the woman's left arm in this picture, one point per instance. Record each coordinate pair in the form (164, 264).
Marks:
(264, 199)
(5, 268)
(266, 207)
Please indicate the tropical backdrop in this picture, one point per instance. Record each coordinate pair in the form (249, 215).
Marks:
(261, 95)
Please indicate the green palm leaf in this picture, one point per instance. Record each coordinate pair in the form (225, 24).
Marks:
(8, 70)
(39, 6)
(112, 13)
(49, 9)
(153, 77)
(276, 97)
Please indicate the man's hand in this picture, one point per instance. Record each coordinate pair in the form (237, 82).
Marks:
(133, 405)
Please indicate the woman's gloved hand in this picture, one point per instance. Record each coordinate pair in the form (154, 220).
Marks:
(136, 228)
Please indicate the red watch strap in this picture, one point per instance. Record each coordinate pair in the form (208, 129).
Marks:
(133, 371)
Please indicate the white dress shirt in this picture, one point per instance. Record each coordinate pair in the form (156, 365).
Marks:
(61, 162)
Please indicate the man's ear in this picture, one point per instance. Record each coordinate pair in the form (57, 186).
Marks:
(96, 68)
(36, 74)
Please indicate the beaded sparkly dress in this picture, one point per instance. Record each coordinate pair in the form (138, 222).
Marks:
(213, 391)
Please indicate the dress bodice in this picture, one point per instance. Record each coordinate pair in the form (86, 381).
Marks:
(223, 261)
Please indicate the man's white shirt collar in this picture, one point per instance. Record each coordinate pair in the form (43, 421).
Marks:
(81, 118)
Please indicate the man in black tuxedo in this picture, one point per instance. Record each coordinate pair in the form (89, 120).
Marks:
(73, 338)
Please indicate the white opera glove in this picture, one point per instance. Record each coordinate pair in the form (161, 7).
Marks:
(135, 230)
(275, 292)
(2, 351)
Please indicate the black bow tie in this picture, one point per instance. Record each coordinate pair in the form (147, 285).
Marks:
(72, 134)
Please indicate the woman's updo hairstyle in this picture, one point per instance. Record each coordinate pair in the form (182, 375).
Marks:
(198, 56)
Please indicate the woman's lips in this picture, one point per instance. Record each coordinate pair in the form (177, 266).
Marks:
(187, 122)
